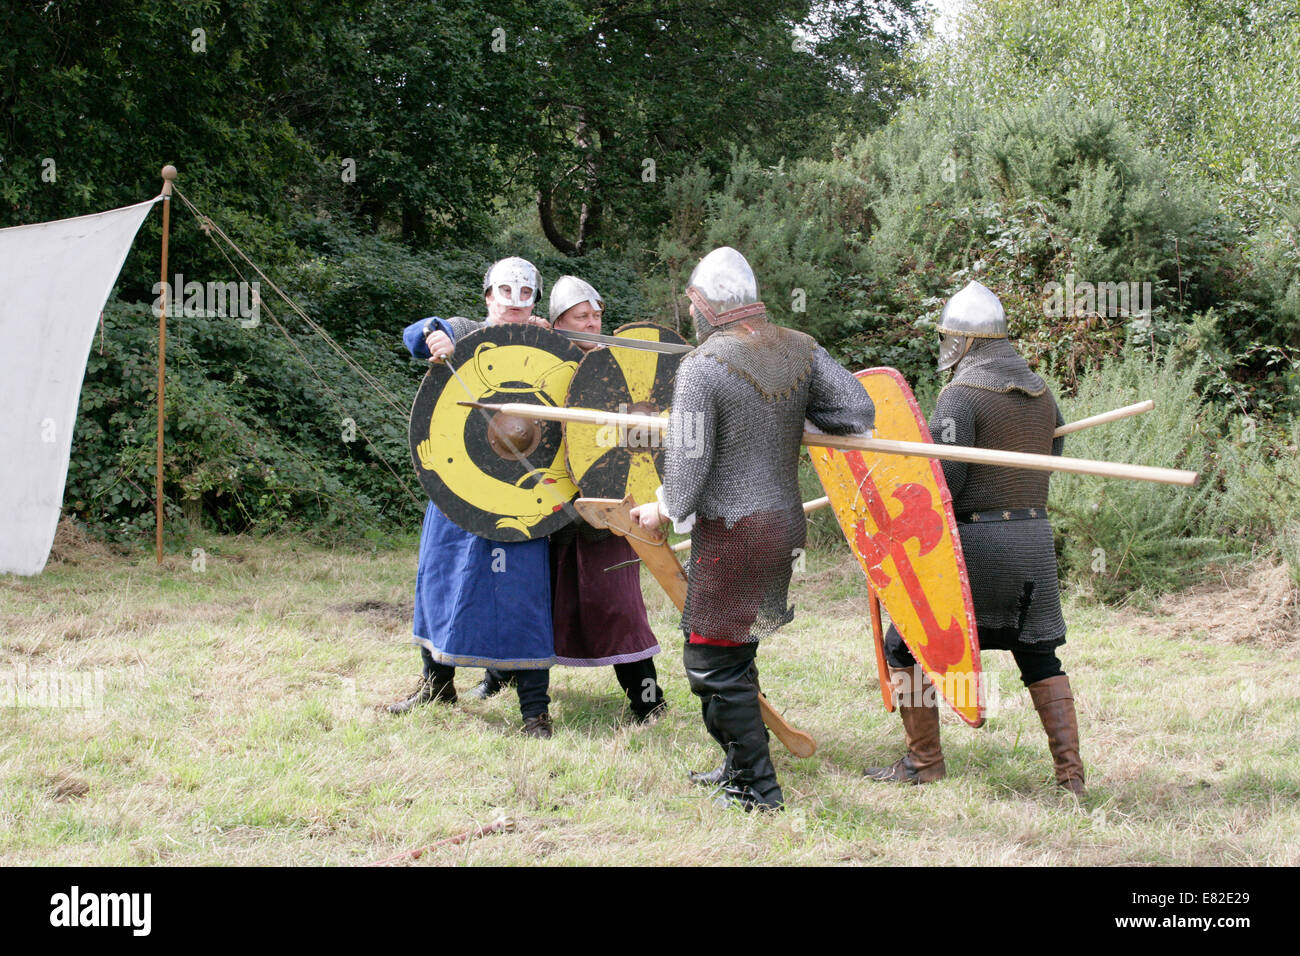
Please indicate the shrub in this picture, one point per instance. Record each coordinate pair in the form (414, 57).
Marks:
(1119, 536)
(862, 249)
(255, 438)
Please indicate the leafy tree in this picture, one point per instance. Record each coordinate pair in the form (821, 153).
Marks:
(861, 250)
(634, 93)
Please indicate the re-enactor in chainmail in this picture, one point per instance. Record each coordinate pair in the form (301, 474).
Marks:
(731, 466)
(995, 401)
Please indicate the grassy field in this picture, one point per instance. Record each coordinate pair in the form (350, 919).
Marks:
(238, 725)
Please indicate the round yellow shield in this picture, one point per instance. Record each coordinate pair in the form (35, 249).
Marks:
(608, 461)
(498, 476)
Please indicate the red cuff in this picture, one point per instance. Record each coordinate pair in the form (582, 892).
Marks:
(713, 641)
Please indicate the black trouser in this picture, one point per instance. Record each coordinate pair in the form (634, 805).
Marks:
(726, 681)
(1035, 663)
(639, 680)
(533, 685)
(435, 671)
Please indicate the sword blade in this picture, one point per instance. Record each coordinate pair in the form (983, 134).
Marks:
(451, 368)
(623, 564)
(621, 342)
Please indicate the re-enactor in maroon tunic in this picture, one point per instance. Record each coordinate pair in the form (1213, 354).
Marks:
(598, 614)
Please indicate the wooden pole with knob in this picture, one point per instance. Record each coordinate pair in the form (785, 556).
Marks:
(169, 176)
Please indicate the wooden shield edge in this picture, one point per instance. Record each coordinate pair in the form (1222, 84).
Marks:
(945, 498)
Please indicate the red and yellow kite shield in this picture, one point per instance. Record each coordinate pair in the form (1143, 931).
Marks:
(896, 513)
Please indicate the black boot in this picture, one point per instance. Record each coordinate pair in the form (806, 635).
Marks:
(710, 778)
(640, 682)
(752, 783)
(726, 680)
(719, 774)
(492, 684)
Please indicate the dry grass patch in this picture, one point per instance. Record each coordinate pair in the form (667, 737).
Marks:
(1258, 603)
(239, 725)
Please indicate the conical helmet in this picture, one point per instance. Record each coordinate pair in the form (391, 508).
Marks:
(568, 291)
(723, 289)
(973, 313)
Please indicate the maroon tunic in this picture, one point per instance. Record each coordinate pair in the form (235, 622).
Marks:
(599, 616)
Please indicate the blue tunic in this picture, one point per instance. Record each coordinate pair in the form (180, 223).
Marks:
(478, 602)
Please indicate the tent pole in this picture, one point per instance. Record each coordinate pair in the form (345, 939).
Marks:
(168, 175)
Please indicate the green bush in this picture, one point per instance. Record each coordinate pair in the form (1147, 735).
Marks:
(1289, 545)
(1261, 487)
(861, 250)
(255, 437)
(256, 422)
(349, 281)
(1119, 536)
(1215, 98)
(1211, 85)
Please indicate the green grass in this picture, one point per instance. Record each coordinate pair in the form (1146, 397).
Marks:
(239, 726)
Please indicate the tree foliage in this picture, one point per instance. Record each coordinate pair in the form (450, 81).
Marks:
(417, 118)
(862, 249)
(635, 93)
(1211, 86)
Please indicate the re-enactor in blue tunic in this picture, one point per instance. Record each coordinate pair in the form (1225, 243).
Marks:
(478, 602)
(469, 615)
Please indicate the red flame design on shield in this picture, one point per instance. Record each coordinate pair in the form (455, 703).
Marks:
(919, 520)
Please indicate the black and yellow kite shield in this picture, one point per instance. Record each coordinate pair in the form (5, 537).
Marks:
(610, 461)
(497, 476)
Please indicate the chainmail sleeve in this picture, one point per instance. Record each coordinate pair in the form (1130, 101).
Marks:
(837, 402)
(459, 326)
(690, 438)
(953, 424)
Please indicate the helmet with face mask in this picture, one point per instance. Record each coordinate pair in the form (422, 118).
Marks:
(514, 282)
(723, 289)
(569, 291)
(973, 313)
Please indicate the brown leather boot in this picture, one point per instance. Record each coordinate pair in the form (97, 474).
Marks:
(538, 726)
(1054, 702)
(923, 762)
(429, 689)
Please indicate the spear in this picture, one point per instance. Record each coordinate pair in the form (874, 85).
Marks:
(877, 629)
(943, 452)
(1114, 415)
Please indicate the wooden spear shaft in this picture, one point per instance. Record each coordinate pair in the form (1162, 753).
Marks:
(977, 456)
(1104, 417)
(818, 503)
(168, 175)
